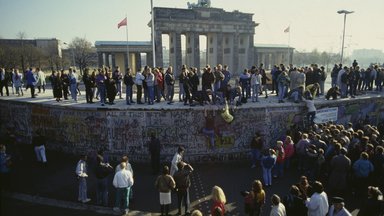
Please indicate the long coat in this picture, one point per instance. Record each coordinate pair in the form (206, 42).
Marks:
(340, 167)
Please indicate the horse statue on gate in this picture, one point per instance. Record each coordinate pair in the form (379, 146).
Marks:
(200, 4)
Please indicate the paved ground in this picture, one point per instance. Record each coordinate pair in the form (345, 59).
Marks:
(52, 190)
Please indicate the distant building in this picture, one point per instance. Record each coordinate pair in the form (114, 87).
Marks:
(48, 47)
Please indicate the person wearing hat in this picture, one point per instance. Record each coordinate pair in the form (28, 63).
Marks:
(337, 208)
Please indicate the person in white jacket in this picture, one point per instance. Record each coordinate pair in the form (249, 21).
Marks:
(122, 181)
(81, 172)
(318, 203)
(278, 208)
(255, 85)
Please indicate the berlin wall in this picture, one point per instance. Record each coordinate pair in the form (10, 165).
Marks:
(127, 131)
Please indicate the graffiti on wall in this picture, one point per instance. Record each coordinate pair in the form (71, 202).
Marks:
(128, 132)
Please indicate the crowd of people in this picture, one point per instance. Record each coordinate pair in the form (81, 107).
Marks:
(157, 84)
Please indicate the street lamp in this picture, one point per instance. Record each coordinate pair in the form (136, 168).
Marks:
(345, 12)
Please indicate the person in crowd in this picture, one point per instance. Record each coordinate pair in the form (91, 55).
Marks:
(207, 78)
(268, 162)
(278, 208)
(233, 93)
(102, 171)
(244, 80)
(301, 146)
(150, 82)
(73, 83)
(154, 149)
(311, 91)
(304, 187)
(311, 113)
(289, 150)
(255, 85)
(17, 80)
(254, 200)
(65, 80)
(219, 200)
(278, 169)
(110, 86)
(41, 81)
(373, 205)
(196, 213)
(257, 144)
(31, 82)
(129, 82)
(333, 92)
(165, 184)
(170, 82)
(39, 142)
(283, 83)
(118, 77)
(82, 175)
(337, 208)
(139, 79)
(159, 84)
(264, 79)
(340, 167)
(294, 203)
(89, 83)
(57, 86)
(183, 182)
(122, 181)
(362, 169)
(100, 81)
(296, 94)
(318, 203)
(178, 157)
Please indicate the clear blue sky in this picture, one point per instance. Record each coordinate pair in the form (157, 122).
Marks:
(313, 23)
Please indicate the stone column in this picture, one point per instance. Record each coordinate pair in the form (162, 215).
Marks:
(175, 52)
(107, 59)
(193, 50)
(138, 61)
(126, 61)
(158, 49)
(149, 59)
(235, 68)
(219, 45)
(100, 59)
(113, 61)
(251, 47)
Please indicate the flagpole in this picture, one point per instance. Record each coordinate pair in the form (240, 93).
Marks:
(289, 40)
(126, 30)
(153, 36)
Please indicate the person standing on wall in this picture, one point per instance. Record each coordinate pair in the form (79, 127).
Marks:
(139, 85)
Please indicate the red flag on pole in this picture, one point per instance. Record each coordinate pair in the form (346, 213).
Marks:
(286, 30)
(122, 23)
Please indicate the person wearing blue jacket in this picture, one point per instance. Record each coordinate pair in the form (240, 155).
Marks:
(31, 81)
(362, 168)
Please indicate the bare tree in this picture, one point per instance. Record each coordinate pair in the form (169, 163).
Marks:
(82, 52)
(22, 35)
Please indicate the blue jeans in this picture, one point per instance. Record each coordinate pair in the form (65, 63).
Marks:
(170, 92)
(255, 156)
(128, 94)
(255, 93)
(101, 89)
(74, 91)
(151, 94)
(82, 189)
(278, 169)
(122, 197)
(267, 176)
(282, 88)
(102, 191)
(119, 86)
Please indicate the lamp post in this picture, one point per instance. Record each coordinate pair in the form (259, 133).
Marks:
(345, 12)
(153, 35)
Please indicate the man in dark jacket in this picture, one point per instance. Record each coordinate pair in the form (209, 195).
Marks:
(102, 172)
(183, 183)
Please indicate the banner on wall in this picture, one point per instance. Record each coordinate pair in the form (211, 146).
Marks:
(326, 115)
